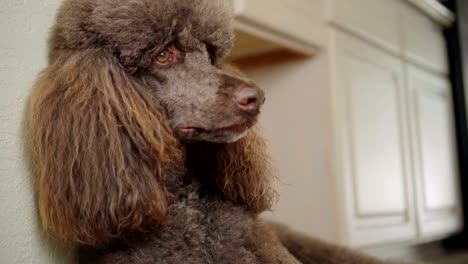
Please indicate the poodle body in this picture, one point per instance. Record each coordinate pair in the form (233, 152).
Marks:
(143, 146)
(204, 228)
(201, 228)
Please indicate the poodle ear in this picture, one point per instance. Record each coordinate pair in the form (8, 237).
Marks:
(99, 146)
(240, 170)
(245, 174)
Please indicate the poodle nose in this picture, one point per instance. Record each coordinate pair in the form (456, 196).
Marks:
(249, 99)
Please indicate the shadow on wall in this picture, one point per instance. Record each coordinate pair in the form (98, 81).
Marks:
(23, 27)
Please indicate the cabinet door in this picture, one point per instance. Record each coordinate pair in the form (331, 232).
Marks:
(434, 154)
(374, 176)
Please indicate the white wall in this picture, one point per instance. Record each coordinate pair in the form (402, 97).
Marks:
(297, 126)
(23, 29)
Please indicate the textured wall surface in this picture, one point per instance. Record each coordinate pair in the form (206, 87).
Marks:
(23, 33)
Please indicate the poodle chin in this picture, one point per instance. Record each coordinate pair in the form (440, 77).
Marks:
(229, 137)
(226, 134)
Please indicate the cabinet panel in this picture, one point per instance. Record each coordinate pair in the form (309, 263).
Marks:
(434, 153)
(373, 109)
(376, 19)
(373, 144)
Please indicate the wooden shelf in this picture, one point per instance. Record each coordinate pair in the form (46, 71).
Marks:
(269, 25)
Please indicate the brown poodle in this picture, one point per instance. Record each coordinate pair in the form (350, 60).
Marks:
(143, 147)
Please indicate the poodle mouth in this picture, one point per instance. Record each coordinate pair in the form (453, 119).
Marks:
(223, 131)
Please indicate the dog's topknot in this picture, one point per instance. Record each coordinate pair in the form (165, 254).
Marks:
(133, 30)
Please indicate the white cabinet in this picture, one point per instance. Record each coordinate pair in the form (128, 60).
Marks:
(367, 154)
(434, 153)
(396, 146)
(374, 147)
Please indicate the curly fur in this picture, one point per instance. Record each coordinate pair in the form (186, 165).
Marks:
(139, 162)
(99, 147)
(99, 141)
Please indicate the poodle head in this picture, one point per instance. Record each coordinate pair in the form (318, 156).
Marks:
(176, 50)
(132, 90)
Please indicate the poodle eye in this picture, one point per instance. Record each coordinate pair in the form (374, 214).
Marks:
(167, 56)
(163, 56)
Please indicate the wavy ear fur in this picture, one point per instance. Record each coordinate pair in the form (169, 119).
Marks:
(240, 170)
(99, 145)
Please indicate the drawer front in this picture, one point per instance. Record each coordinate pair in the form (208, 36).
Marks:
(423, 40)
(374, 19)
